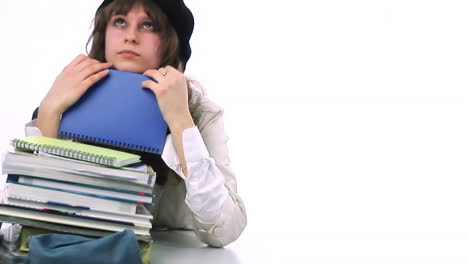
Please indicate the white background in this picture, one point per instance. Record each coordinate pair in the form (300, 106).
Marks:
(347, 119)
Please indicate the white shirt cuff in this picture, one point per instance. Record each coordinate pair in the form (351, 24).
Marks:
(31, 129)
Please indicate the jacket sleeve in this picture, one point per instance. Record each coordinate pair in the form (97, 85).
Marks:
(218, 213)
(232, 217)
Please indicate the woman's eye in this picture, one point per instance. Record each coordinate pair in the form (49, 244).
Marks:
(119, 22)
(147, 25)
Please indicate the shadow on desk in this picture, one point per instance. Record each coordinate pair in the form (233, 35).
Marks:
(184, 247)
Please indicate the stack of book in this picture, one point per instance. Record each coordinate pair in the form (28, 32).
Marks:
(76, 188)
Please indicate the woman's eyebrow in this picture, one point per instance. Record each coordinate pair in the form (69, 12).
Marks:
(138, 18)
(144, 18)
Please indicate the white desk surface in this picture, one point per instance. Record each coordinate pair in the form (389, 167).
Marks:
(304, 246)
(184, 247)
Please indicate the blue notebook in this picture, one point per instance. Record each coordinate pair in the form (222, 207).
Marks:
(117, 112)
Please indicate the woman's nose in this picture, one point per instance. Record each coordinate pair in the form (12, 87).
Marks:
(131, 35)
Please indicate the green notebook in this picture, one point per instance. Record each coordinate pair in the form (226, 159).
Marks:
(75, 150)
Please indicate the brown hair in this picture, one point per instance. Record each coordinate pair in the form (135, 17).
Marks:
(168, 35)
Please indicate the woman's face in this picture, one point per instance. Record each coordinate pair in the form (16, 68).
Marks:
(131, 43)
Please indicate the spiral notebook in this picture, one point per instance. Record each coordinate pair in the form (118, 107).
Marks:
(76, 150)
(117, 112)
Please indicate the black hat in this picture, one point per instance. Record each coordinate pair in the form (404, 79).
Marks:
(180, 18)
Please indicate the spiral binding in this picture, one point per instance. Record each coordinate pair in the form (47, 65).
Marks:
(65, 152)
(68, 135)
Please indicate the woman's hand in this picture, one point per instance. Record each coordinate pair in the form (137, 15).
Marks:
(70, 85)
(73, 82)
(171, 93)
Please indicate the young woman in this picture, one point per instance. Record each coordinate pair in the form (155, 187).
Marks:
(196, 188)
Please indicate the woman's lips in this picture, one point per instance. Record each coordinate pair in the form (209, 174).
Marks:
(129, 54)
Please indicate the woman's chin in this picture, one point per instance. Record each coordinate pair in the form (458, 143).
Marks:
(129, 67)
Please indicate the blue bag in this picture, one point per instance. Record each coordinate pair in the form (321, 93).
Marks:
(118, 248)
